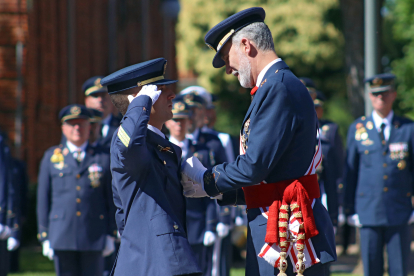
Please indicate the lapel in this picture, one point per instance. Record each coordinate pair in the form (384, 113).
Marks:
(88, 159)
(373, 133)
(275, 67)
(393, 128)
(156, 142)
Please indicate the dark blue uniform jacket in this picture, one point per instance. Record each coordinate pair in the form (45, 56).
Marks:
(281, 139)
(379, 178)
(149, 199)
(74, 207)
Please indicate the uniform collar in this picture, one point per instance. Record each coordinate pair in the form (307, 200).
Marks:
(73, 148)
(264, 70)
(156, 130)
(178, 143)
(378, 120)
(193, 136)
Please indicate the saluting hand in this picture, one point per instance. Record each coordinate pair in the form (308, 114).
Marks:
(147, 90)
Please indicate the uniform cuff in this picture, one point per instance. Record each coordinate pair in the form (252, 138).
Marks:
(210, 184)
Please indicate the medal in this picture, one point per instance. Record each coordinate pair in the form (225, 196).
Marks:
(95, 174)
(370, 125)
(401, 165)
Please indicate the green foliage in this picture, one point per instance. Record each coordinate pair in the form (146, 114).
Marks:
(305, 35)
(402, 15)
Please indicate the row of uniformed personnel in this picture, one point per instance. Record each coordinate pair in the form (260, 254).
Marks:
(75, 209)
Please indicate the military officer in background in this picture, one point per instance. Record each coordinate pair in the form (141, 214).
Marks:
(330, 170)
(146, 169)
(379, 181)
(201, 213)
(275, 175)
(96, 97)
(75, 221)
(95, 122)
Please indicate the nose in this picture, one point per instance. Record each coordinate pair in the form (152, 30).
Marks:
(171, 94)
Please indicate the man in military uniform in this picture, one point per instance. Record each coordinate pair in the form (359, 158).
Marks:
(96, 97)
(330, 170)
(379, 180)
(145, 169)
(201, 213)
(275, 175)
(75, 221)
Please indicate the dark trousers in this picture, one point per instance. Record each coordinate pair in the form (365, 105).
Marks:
(4, 258)
(397, 240)
(78, 263)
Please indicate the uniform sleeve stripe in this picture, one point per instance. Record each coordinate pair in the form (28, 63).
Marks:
(123, 136)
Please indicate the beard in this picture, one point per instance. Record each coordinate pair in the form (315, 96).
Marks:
(245, 70)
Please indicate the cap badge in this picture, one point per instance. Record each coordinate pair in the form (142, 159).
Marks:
(75, 110)
(178, 107)
(98, 82)
(377, 82)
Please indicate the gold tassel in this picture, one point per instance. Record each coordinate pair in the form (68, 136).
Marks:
(282, 264)
(300, 265)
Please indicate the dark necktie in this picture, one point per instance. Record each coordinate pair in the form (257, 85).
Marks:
(382, 136)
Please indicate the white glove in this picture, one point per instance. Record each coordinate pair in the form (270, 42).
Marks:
(239, 221)
(148, 90)
(12, 244)
(5, 232)
(354, 220)
(411, 220)
(47, 251)
(341, 220)
(194, 170)
(222, 230)
(191, 189)
(109, 246)
(209, 238)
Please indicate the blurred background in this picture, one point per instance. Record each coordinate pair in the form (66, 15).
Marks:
(48, 48)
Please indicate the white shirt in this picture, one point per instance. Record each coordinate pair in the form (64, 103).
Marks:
(156, 130)
(74, 149)
(182, 144)
(387, 121)
(263, 72)
(105, 125)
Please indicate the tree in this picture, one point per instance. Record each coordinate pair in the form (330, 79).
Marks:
(304, 35)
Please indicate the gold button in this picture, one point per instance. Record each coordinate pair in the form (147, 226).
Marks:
(55, 216)
(175, 226)
(78, 200)
(385, 177)
(9, 212)
(408, 194)
(383, 142)
(78, 188)
(101, 216)
(78, 176)
(366, 151)
(165, 163)
(16, 225)
(144, 109)
(384, 165)
(115, 233)
(44, 234)
(340, 186)
(38, 236)
(78, 213)
(226, 210)
(61, 174)
(384, 153)
(385, 189)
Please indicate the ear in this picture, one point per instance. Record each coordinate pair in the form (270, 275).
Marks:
(245, 46)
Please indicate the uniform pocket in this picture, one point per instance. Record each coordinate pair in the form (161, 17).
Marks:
(167, 233)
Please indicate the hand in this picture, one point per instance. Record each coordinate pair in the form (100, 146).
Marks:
(239, 221)
(12, 244)
(47, 251)
(194, 170)
(190, 189)
(411, 220)
(5, 232)
(109, 246)
(354, 220)
(148, 90)
(222, 230)
(209, 238)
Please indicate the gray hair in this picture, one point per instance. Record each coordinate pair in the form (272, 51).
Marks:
(259, 34)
